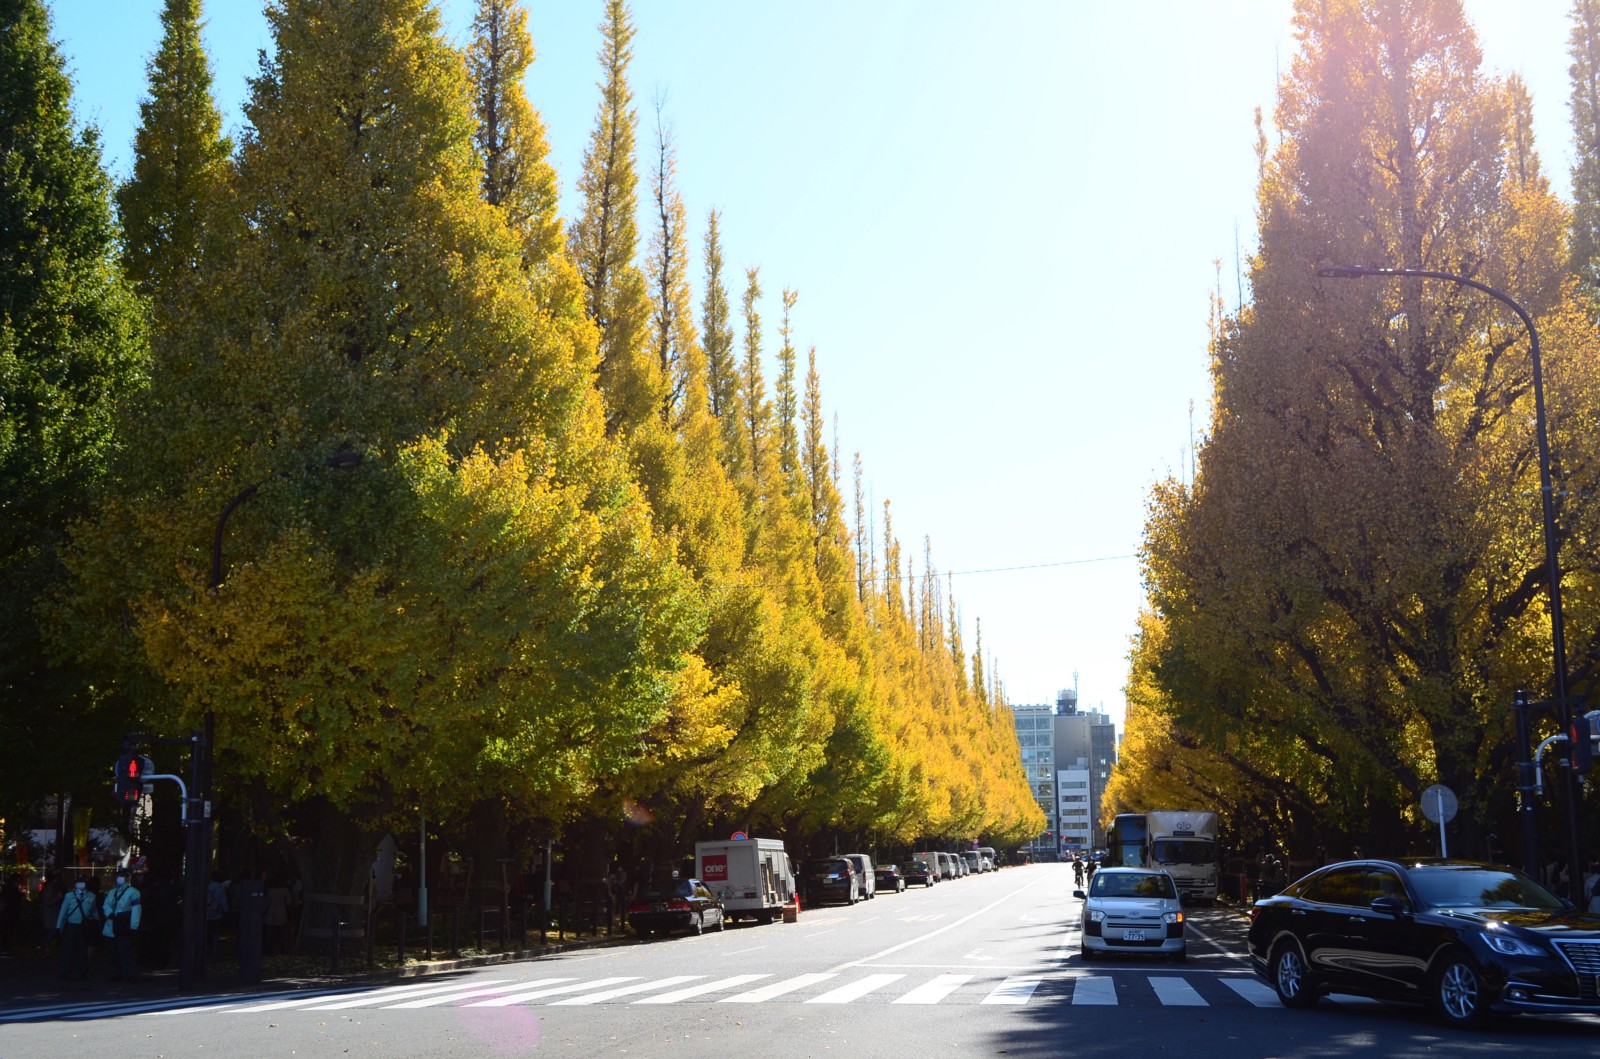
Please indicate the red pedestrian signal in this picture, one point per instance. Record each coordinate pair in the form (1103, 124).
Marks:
(1580, 744)
(131, 773)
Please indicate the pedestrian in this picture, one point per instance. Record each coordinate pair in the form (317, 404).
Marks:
(49, 908)
(216, 909)
(160, 920)
(275, 916)
(12, 898)
(122, 912)
(75, 922)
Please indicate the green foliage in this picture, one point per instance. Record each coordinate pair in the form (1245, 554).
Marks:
(180, 159)
(482, 608)
(510, 137)
(72, 349)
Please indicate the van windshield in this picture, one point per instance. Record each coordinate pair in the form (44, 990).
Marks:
(1182, 851)
(825, 867)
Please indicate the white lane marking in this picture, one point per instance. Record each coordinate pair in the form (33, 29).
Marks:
(1014, 990)
(737, 952)
(819, 933)
(376, 996)
(922, 919)
(701, 990)
(627, 990)
(948, 926)
(1177, 993)
(1258, 993)
(535, 994)
(975, 955)
(936, 990)
(381, 996)
(855, 990)
(767, 992)
(1098, 990)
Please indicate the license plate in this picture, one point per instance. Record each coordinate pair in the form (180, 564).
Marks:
(1133, 935)
(663, 908)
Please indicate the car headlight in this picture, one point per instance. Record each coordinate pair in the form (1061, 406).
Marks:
(1173, 917)
(1506, 945)
(1096, 916)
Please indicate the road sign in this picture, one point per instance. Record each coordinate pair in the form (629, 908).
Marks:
(1439, 806)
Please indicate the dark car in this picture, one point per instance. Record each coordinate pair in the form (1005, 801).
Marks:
(675, 904)
(1466, 938)
(920, 871)
(830, 879)
(888, 877)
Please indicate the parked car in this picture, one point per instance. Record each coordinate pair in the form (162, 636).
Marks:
(863, 866)
(1465, 937)
(1134, 911)
(675, 904)
(919, 870)
(888, 877)
(947, 867)
(830, 879)
(960, 864)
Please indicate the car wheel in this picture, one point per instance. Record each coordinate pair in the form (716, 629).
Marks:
(1291, 978)
(697, 925)
(722, 921)
(1181, 956)
(1087, 953)
(1458, 992)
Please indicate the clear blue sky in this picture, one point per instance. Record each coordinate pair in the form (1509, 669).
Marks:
(1002, 221)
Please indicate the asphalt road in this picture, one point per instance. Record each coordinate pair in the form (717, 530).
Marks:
(986, 965)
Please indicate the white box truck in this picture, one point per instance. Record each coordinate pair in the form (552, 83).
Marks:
(1183, 842)
(752, 876)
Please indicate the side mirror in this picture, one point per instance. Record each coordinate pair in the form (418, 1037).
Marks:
(1389, 905)
(1078, 894)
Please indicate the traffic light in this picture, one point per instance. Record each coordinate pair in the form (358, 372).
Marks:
(1579, 742)
(129, 777)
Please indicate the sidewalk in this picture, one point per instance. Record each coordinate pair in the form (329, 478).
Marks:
(33, 979)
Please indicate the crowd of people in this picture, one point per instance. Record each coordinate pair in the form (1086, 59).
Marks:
(126, 919)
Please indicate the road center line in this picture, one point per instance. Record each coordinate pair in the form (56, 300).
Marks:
(934, 933)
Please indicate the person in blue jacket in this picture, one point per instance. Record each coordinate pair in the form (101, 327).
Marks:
(121, 912)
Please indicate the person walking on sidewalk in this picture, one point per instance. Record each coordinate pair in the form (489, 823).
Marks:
(77, 918)
(122, 913)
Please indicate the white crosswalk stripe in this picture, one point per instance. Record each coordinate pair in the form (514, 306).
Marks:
(718, 986)
(1257, 992)
(777, 989)
(1102, 990)
(1176, 993)
(855, 990)
(1014, 990)
(523, 996)
(628, 990)
(936, 990)
(1067, 987)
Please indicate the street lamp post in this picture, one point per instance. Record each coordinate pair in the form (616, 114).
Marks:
(1548, 505)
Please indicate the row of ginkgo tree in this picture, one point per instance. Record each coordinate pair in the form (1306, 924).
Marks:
(587, 569)
(1344, 600)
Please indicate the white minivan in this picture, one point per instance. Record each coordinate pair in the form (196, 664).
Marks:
(864, 868)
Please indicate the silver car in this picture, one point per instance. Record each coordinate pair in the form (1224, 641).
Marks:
(1132, 910)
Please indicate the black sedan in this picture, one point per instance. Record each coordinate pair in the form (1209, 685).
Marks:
(888, 878)
(675, 904)
(1464, 937)
(920, 871)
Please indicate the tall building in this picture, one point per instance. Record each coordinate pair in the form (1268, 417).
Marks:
(1036, 737)
(1068, 757)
